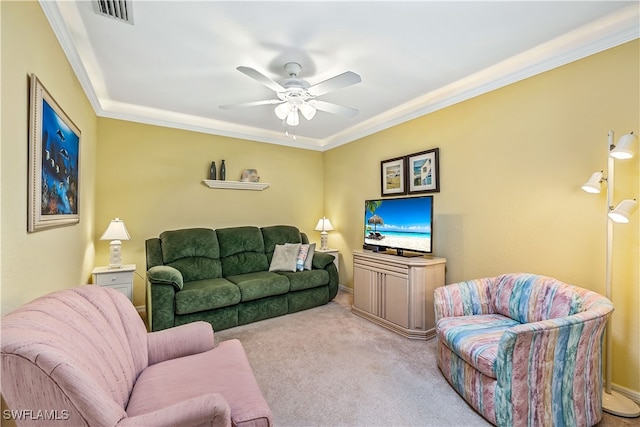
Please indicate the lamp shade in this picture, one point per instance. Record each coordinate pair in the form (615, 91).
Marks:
(293, 119)
(623, 211)
(282, 110)
(307, 111)
(116, 231)
(324, 225)
(593, 185)
(624, 149)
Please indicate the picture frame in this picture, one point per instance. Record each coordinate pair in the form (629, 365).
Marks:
(54, 162)
(392, 177)
(423, 172)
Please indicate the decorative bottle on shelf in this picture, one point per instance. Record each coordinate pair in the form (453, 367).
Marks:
(223, 171)
(212, 171)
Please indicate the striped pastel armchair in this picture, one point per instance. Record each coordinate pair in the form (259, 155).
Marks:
(523, 349)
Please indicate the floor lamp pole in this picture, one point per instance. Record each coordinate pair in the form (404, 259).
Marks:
(612, 402)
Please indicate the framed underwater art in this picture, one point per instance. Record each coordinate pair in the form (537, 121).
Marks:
(54, 157)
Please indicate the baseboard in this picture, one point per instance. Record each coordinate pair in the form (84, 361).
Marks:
(631, 394)
(345, 289)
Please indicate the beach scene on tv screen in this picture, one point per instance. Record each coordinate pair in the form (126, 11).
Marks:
(399, 223)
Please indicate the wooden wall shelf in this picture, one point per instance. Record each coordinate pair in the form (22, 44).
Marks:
(236, 185)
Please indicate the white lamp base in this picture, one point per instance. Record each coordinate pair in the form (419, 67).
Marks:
(115, 254)
(617, 404)
(324, 245)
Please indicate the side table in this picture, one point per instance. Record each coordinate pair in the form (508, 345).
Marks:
(120, 279)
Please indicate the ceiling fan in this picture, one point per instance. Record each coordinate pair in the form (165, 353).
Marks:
(297, 95)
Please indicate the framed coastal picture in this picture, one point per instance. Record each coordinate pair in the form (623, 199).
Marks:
(392, 174)
(54, 156)
(423, 171)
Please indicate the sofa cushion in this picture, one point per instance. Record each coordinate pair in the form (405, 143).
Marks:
(279, 235)
(285, 258)
(192, 251)
(260, 284)
(532, 298)
(475, 338)
(227, 372)
(306, 279)
(206, 294)
(241, 250)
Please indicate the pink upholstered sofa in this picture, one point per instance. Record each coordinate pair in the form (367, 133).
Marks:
(523, 349)
(83, 357)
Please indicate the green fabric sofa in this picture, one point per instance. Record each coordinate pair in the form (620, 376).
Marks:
(222, 276)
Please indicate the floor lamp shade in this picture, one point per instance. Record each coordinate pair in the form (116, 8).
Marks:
(624, 149)
(594, 183)
(623, 211)
(116, 232)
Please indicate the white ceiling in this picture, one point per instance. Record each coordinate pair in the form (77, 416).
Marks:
(177, 63)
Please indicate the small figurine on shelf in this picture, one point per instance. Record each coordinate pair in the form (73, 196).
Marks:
(212, 171)
(223, 171)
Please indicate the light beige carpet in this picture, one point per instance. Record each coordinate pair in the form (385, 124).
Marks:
(328, 367)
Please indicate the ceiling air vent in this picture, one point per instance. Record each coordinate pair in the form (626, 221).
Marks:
(116, 9)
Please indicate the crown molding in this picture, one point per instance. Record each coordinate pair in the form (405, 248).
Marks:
(605, 33)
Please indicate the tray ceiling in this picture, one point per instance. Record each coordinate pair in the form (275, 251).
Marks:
(175, 63)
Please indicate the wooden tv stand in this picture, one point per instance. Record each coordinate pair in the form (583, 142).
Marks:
(396, 292)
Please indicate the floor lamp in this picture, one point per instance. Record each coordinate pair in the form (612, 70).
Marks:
(613, 402)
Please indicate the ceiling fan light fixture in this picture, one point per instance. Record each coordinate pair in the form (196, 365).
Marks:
(307, 111)
(293, 119)
(282, 110)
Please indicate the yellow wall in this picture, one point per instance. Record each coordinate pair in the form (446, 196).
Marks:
(151, 177)
(512, 162)
(37, 263)
(511, 165)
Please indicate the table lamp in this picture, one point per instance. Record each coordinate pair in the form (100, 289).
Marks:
(323, 226)
(116, 232)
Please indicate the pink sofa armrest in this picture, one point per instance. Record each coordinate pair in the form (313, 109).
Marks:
(180, 341)
(209, 409)
(463, 298)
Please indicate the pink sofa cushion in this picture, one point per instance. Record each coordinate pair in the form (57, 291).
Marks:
(227, 373)
(475, 338)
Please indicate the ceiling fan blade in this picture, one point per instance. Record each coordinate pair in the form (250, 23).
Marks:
(328, 107)
(256, 75)
(253, 104)
(345, 79)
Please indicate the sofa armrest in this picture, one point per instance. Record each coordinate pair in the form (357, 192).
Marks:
(321, 260)
(180, 341)
(209, 409)
(463, 298)
(165, 275)
(565, 352)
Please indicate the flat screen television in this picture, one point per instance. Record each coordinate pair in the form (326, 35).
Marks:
(401, 224)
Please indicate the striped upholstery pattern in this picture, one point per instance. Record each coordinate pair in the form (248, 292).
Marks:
(523, 349)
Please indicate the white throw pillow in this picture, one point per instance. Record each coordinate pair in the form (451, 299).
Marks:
(309, 261)
(285, 257)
